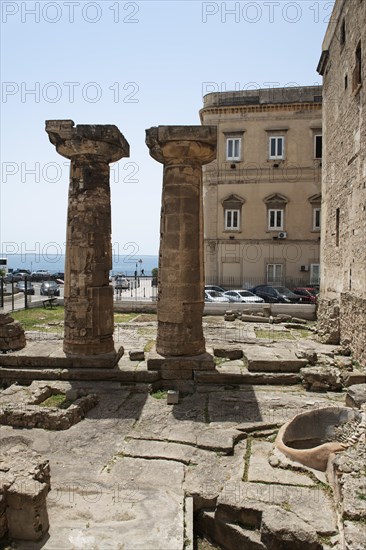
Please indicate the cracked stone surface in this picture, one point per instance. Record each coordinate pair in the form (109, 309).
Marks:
(121, 475)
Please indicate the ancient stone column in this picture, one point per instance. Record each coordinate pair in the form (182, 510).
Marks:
(88, 295)
(183, 150)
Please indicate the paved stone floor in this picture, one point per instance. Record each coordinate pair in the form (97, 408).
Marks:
(122, 477)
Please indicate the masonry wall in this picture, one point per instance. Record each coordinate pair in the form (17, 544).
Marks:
(342, 313)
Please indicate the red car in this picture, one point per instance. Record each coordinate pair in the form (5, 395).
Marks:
(308, 295)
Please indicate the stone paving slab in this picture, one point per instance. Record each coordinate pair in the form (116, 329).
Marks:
(250, 378)
(305, 502)
(129, 374)
(136, 506)
(276, 359)
(100, 498)
(260, 469)
(50, 354)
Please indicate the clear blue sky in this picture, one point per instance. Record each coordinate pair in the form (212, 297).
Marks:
(136, 65)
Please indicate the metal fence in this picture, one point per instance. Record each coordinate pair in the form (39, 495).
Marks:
(140, 288)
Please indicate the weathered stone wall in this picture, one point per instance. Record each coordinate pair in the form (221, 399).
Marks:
(328, 321)
(24, 485)
(343, 232)
(353, 324)
(21, 407)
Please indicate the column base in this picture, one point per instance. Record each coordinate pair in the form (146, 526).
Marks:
(179, 368)
(103, 360)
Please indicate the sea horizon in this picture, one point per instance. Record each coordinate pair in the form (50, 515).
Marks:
(126, 264)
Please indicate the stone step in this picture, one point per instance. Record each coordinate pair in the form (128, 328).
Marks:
(252, 378)
(229, 535)
(261, 359)
(133, 376)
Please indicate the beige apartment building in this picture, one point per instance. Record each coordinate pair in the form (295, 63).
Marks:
(342, 304)
(262, 196)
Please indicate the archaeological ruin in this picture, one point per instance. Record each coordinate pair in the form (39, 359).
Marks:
(342, 304)
(182, 425)
(88, 295)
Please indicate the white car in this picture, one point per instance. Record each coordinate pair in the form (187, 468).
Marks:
(215, 296)
(121, 283)
(243, 296)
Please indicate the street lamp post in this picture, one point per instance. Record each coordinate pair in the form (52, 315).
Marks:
(140, 262)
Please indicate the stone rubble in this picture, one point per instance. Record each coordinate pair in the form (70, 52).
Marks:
(24, 485)
(12, 336)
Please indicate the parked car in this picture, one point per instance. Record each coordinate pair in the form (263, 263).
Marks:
(276, 294)
(308, 295)
(215, 287)
(215, 296)
(243, 296)
(121, 283)
(22, 273)
(21, 287)
(40, 275)
(50, 288)
(18, 275)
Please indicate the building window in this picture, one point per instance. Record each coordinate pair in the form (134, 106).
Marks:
(318, 146)
(275, 218)
(276, 147)
(232, 220)
(274, 274)
(357, 73)
(233, 148)
(316, 219)
(314, 274)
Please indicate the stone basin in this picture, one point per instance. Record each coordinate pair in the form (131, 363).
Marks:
(309, 438)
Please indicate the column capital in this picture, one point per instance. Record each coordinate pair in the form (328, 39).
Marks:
(172, 145)
(104, 141)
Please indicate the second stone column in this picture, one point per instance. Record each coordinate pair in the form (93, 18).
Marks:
(183, 150)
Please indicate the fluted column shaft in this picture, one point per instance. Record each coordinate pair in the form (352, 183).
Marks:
(89, 323)
(183, 151)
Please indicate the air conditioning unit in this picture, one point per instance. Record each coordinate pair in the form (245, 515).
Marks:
(304, 268)
(282, 235)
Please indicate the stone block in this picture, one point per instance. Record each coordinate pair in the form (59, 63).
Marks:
(12, 335)
(169, 374)
(261, 359)
(310, 355)
(283, 318)
(172, 397)
(354, 377)
(254, 318)
(5, 319)
(286, 531)
(195, 362)
(321, 378)
(356, 395)
(229, 317)
(137, 355)
(355, 535)
(230, 353)
(26, 510)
